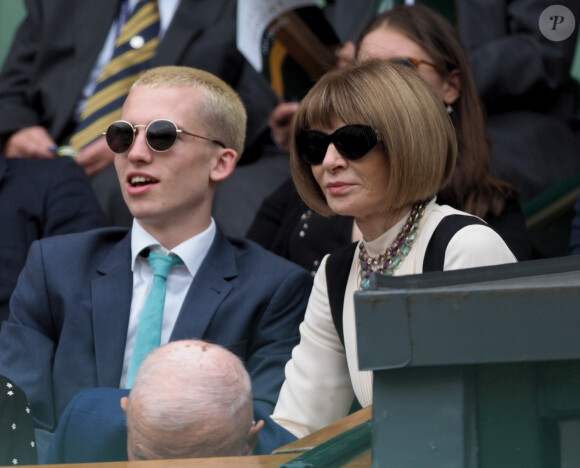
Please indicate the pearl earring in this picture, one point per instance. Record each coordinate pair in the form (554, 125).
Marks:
(449, 108)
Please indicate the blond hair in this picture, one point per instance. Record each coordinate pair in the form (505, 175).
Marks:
(222, 112)
(412, 125)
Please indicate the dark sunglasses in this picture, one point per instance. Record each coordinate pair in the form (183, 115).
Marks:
(414, 63)
(160, 135)
(351, 141)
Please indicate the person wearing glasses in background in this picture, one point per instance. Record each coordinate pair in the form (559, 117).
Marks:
(372, 141)
(75, 314)
(422, 39)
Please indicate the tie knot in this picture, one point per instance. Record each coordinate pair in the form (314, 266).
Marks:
(162, 264)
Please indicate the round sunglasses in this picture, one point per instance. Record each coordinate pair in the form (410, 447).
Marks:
(160, 135)
(351, 141)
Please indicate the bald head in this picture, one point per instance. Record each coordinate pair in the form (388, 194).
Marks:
(190, 399)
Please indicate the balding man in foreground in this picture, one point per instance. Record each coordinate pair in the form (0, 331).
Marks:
(191, 399)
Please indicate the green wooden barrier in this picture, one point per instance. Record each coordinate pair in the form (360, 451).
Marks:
(476, 368)
(337, 451)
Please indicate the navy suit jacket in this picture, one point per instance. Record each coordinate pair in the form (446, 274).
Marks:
(93, 429)
(39, 198)
(70, 310)
(58, 43)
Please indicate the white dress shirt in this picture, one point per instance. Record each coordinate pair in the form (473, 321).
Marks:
(193, 251)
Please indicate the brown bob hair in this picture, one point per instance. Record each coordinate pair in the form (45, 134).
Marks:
(411, 122)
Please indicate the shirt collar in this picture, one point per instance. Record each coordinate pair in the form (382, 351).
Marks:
(192, 251)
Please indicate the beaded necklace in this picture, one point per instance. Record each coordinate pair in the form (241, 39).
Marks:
(386, 263)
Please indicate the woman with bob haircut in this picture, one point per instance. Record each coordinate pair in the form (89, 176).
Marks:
(424, 40)
(372, 141)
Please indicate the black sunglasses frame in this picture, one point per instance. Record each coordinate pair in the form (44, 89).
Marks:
(313, 152)
(149, 136)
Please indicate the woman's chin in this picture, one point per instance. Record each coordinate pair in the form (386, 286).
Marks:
(343, 209)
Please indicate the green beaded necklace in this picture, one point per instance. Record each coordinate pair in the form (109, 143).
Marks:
(386, 263)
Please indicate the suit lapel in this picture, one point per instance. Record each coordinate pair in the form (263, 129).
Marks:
(187, 24)
(208, 290)
(111, 300)
(91, 29)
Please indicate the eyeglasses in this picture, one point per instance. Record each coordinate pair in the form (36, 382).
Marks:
(414, 63)
(351, 141)
(160, 135)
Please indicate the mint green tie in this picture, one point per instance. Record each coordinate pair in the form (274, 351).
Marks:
(150, 323)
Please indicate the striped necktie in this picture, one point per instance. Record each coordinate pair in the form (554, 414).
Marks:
(134, 48)
(148, 335)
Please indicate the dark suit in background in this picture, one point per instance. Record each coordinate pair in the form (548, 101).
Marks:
(57, 45)
(39, 198)
(525, 82)
(55, 50)
(72, 318)
(93, 429)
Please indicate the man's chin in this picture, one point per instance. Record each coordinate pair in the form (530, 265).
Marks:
(144, 213)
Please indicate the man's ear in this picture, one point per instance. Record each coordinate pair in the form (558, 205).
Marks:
(253, 436)
(125, 403)
(452, 87)
(223, 165)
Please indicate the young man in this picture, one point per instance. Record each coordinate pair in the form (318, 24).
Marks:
(75, 312)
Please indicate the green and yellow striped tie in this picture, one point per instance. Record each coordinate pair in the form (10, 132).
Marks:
(134, 48)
